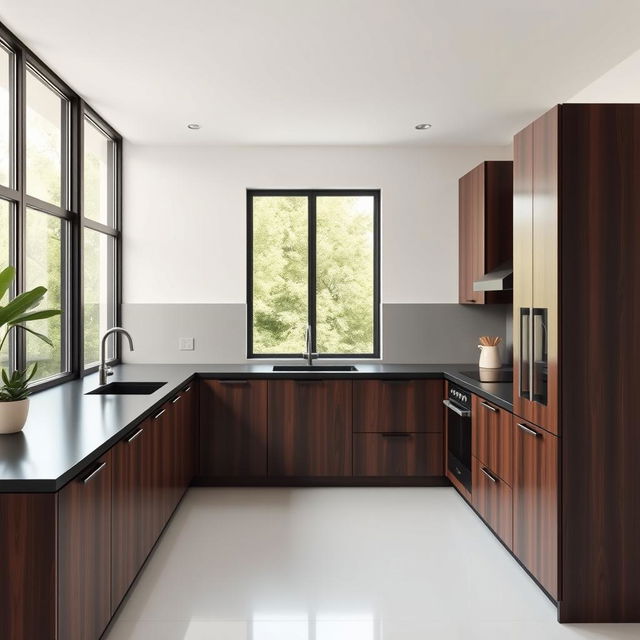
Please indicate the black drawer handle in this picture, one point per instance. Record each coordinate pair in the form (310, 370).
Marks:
(233, 381)
(489, 407)
(395, 434)
(489, 475)
(531, 432)
(135, 435)
(95, 472)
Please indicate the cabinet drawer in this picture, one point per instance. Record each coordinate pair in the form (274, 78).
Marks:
(492, 499)
(397, 455)
(492, 438)
(413, 406)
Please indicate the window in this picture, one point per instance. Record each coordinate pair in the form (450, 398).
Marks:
(313, 259)
(100, 239)
(60, 167)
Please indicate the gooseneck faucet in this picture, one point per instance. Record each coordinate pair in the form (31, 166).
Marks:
(104, 369)
(309, 356)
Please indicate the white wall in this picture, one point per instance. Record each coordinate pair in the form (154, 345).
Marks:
(185, 214)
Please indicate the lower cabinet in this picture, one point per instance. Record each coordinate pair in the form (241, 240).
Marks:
(233, 428)
(132, 527)
(492, 499)
(535, 502)
(84, 553)
(309, 428)
(397, 454)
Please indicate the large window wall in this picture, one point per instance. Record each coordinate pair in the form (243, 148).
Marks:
(60, 213)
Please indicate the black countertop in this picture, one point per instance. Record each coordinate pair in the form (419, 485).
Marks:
(67, 430)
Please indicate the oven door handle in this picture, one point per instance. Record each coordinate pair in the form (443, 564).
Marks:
(463, 413)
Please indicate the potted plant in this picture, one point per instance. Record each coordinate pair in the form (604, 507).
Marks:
(14, 392)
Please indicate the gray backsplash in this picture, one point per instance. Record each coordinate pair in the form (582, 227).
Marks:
(411, 333)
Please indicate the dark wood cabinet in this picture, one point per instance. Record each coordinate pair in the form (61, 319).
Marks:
(397, 454)
(535, 255)
(485, 228)
(492, 499)
(535, 502)
(84, 553)
(492, 437)
(413, 406)
(132, 517)
(309, 427)
(233, 428)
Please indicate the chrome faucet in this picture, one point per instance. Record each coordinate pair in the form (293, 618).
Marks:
(104, 369)
(309, 356)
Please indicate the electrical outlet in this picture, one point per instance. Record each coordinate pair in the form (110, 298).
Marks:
(186, 344)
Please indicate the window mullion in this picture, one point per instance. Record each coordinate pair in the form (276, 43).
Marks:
(311, 253)
(18, 341)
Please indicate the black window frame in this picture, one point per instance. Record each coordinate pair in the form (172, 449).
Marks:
(311, 195)
(71, 208)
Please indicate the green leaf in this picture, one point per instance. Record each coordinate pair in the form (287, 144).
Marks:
(36, 315)
(33, 372)
(20, 304)
(6, 278)
(5, 378)
(35, 333)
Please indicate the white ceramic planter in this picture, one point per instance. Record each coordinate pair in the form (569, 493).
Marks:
(489, 357)
(13, 415)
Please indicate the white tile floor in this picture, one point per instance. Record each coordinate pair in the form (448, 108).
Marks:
(337, 564)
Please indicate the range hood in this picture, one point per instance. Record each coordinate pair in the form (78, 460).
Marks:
(500, 279)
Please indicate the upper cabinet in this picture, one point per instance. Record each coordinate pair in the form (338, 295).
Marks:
(535, 260)
(486, 224)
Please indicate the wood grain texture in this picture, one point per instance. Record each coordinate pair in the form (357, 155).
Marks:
(498, 222)
(471, 234)
(600, 352)
(84, 554)
(132, 516)
(535, 502)
(310, 427)
(398, 405)
(233, 428)
(493, 500)
(28, 579)
(522, 258)
(545, 264)
(485, 228)
(397, 455)
(492, 438)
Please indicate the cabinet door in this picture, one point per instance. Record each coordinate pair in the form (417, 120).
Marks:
(161, 469)
(309, 428)
(413, 406)
(492, 437)
(130, 533)
(543, 410)
(535, 502)
(188, 434)
(492, 499)
(233, 428)
(471, 234)
(84, 553)
(522, 266)
(397, 454)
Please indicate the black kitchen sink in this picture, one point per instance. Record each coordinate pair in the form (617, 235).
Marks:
(319, 368)
(127, 388)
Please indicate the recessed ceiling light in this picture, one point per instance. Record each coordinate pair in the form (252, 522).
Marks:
(194, 126)
(423, 127)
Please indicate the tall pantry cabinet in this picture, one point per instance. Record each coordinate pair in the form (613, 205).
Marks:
(576, 352)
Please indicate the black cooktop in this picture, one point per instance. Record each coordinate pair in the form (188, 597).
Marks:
(490, 375)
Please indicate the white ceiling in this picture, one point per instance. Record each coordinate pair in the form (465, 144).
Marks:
(326, 71)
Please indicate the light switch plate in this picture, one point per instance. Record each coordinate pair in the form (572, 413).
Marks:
(186, 344)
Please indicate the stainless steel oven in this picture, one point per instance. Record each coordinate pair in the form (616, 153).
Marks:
(459, 434)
